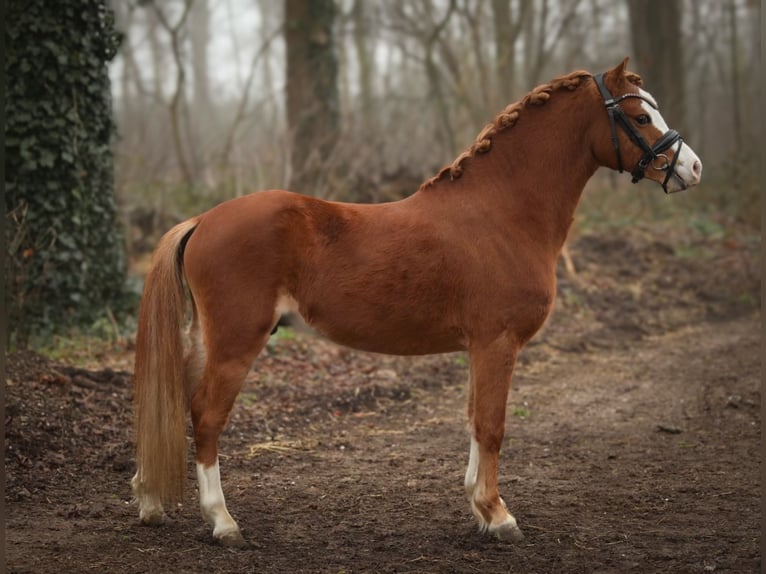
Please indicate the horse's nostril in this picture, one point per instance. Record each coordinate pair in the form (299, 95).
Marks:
(697, 168)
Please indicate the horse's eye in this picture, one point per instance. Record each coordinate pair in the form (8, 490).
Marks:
(644, 120)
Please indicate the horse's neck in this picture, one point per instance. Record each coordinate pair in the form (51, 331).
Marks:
(529, 180)
(545, 185)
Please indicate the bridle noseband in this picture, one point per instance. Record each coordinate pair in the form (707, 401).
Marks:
(651, 153)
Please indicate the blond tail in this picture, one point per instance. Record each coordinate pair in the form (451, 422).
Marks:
(160, 410)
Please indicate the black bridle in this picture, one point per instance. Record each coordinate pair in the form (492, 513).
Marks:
(651, 153)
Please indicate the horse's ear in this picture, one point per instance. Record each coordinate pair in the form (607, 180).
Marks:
(617, 74)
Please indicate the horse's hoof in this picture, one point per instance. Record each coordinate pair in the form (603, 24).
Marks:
(152, 519)
(508, 532)
(232, 539)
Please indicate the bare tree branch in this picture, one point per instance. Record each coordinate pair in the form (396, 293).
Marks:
(243, 103)
(175, 102)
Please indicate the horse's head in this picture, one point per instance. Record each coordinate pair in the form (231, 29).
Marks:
(634, 136)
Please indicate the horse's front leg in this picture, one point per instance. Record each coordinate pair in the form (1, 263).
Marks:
(491, 370)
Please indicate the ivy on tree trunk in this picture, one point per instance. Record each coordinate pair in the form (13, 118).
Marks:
(66, 260)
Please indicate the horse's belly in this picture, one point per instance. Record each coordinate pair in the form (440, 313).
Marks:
(403, 344)
(392, 335)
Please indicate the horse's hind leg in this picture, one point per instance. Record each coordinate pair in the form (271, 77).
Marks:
(491, 370)
(210, 407)
(231, 349)
(150, 509)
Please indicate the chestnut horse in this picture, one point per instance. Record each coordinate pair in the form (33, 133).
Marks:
(466, 263)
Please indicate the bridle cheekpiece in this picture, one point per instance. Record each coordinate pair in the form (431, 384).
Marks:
(652, 154)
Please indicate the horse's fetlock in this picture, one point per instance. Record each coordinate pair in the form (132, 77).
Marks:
(485, 505)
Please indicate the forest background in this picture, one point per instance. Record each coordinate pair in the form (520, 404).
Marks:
(346, 100)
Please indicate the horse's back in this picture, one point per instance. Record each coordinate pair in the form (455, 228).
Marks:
(368, 276)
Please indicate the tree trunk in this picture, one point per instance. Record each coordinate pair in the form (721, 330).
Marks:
(505, 54)
(199, 24)
(65, 258)
(655, 27)
(736, 99)
(360, 14)
(313, 114)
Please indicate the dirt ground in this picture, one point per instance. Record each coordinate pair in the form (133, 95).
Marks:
(633, 442)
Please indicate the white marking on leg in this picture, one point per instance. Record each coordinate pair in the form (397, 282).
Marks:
(150, 509)
(211, 501)
(473, 469)
(501, 523)
(473, 488)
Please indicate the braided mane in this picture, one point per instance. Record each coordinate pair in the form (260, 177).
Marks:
(510, 115)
